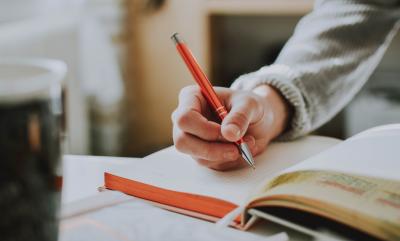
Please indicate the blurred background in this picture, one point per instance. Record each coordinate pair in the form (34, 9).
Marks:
(124, 74)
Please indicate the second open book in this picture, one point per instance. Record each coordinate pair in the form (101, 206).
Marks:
(355, 183)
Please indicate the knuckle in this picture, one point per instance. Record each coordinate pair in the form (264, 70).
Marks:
(182, 119)
(180, 141)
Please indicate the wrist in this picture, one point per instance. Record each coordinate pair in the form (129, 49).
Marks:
(276, 106)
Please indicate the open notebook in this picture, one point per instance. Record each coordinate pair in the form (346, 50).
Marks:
(355, 183)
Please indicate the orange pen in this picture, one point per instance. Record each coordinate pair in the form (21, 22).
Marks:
(208, 92)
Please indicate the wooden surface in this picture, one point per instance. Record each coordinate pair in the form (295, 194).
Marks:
(155, 74)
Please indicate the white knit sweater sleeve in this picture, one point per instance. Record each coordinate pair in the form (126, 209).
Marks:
(331, 54)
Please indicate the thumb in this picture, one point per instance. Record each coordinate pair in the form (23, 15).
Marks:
(236, 123)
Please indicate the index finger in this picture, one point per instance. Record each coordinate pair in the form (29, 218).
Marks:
(190, 97)
(190, 118)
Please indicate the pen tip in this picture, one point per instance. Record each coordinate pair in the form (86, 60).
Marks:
(246, 154)
(175, 38)
(174, 35)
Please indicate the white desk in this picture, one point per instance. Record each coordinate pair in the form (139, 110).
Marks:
(84, 174)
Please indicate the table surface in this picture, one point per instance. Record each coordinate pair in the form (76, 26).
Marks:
(82, 175)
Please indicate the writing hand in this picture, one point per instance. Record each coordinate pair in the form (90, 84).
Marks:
(259, 115)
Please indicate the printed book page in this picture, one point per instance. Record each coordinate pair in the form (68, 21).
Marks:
(356, 178)
(371, 204)
(179, 172)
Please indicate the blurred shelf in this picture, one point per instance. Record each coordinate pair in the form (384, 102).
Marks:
(259, 7)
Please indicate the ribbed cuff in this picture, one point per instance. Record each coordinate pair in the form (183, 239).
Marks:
(283, 79)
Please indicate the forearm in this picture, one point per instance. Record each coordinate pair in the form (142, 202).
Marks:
(330, 56)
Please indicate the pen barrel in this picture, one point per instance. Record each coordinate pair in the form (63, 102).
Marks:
(221, 112)
(208, 91)
(201, 79)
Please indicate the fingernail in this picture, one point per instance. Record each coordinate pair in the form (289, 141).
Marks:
(234, 129)
(230, 155)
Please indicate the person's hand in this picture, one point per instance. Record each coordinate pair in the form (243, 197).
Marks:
(259, 115)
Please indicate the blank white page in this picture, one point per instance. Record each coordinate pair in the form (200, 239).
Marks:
(176, 171)
(374, 153)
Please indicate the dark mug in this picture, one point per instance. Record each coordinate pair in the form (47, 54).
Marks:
(30, 131)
